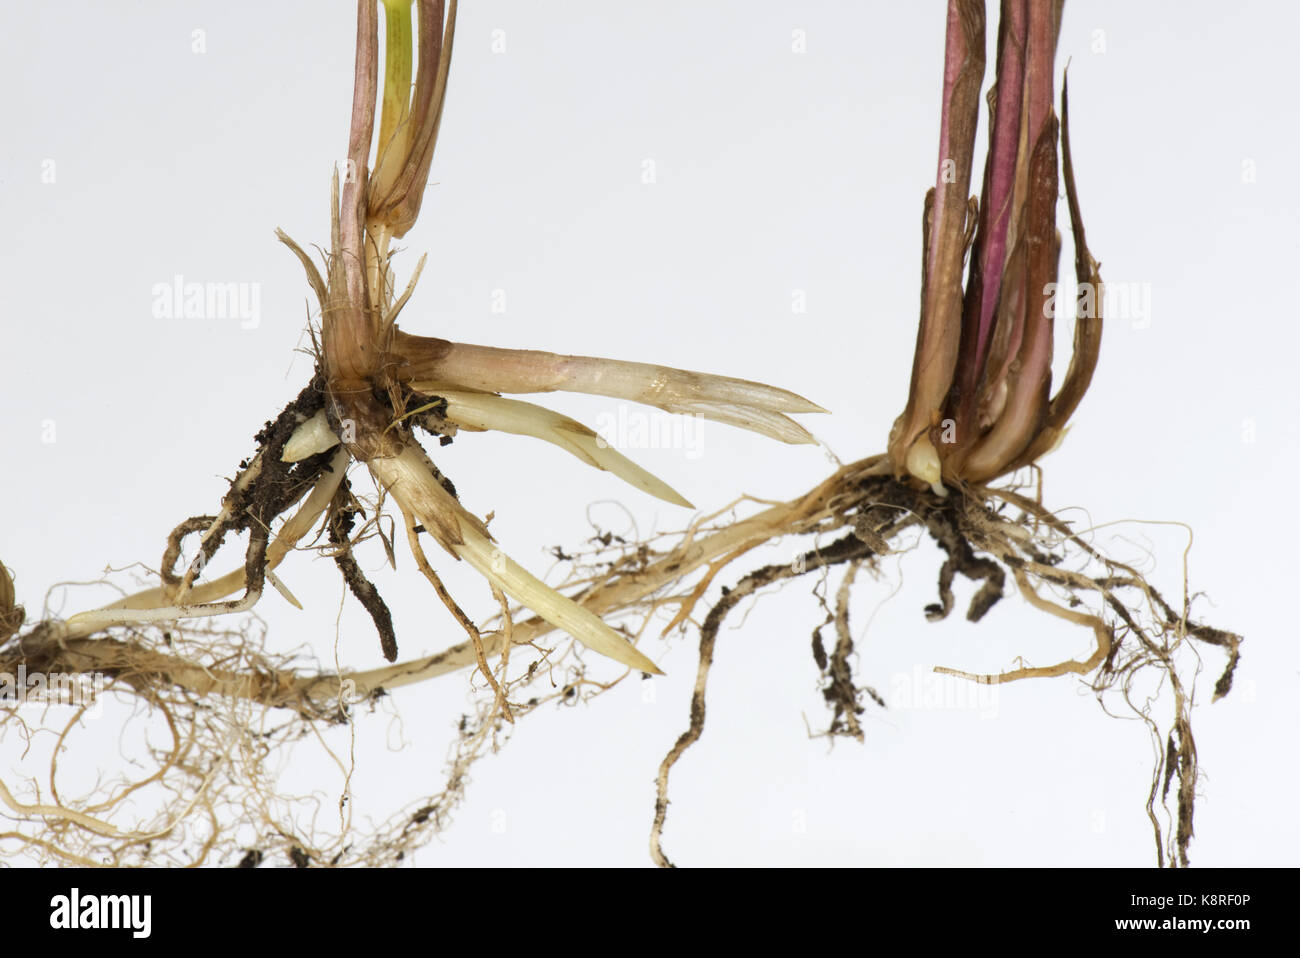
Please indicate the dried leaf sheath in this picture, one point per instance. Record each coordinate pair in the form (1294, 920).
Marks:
(1088, 314)
(1029, 379)
(348, 333)
(402, 170)
(997, 414)
(940, 329)
(989, 254)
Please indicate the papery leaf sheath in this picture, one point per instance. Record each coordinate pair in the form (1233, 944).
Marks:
(938, 337)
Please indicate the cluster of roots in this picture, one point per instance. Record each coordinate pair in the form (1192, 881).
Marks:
(991, 536)
(227, 704)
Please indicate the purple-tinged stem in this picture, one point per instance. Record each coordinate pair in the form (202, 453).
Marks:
(397, 201)
(939, 336)
(1088, 316)
(348, 329)
(1028, 381)
(989, 257)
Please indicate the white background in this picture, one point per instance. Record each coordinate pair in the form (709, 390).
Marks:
(776, 171)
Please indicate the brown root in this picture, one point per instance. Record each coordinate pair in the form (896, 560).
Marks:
(343, 513)
(228, 703)
(1134, 628)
